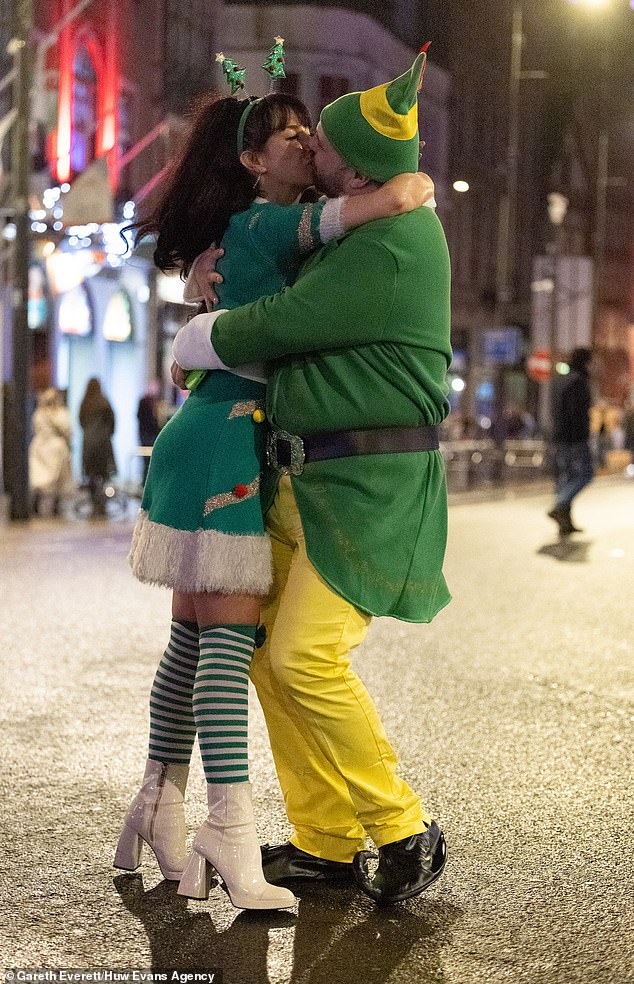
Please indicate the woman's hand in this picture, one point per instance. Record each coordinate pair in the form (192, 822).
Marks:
(406, 192)
(178, 375)
(205, 276)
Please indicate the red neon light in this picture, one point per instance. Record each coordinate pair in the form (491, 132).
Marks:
(107, 87)
(65, 97)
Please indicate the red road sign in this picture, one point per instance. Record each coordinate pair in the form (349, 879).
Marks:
(538, 365)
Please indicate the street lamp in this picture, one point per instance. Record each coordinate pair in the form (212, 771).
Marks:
(507, 218)
(591, 4)
(601, 185)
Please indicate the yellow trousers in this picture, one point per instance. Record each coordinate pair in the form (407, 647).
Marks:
(335, 764)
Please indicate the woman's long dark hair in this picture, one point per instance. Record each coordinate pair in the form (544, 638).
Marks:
(207, 183)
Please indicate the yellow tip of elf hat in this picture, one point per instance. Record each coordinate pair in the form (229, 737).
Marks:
(376, 131)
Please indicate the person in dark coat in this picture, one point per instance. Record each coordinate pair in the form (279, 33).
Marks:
(147, 416)
(628, 427)
(571, 401)
(97, 420)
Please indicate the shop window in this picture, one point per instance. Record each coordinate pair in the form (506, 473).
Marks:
(37, 303)
(117, 322)
(125, 120)
(83, 147)
(75, 313)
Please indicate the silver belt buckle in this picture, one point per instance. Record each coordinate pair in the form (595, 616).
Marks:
(285, 452)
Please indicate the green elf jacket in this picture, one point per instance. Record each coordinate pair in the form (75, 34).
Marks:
(361, 340)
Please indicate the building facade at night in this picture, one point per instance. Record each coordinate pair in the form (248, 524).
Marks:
(112, 85)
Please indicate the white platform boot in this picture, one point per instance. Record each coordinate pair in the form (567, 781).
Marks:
(156, 816)
(228, 843)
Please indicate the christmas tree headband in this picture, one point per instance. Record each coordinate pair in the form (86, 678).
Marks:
(235, 77)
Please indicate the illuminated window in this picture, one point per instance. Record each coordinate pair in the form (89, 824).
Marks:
(37, 304)
(83, 145)
(75, 313)
(117, 322)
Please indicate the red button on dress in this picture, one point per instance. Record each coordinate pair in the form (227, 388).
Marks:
(240, 491)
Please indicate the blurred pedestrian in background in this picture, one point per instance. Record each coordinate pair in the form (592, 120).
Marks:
(50, 471)
(518, 422)
(149, 426)
(571, 400)
(600, 436)
(628, 427)
(96, 417)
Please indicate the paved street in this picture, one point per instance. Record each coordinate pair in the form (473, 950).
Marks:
(513, 714)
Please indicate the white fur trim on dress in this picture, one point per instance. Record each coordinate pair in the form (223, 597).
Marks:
(203, 560)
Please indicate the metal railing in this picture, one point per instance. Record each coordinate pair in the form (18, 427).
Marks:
(478, 463)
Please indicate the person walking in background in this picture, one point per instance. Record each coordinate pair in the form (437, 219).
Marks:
(50, 471)
(147, 416)
(96, 417)
(571, 401)
(628, 428)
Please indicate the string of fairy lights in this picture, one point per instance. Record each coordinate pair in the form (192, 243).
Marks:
(49, 229)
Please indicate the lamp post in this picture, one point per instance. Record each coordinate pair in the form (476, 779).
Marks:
(557, 208)
(21, 48)
(601, 181)
(508, 206)
(507, 216)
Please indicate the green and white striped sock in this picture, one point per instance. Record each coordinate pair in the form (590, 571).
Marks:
(221, 701)
(172, 725)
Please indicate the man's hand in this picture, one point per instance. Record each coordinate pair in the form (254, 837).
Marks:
(205, 275)
(178, 376)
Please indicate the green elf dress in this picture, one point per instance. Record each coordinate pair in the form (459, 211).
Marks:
(200, 526)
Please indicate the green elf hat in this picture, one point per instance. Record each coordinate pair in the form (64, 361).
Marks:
(376, 131)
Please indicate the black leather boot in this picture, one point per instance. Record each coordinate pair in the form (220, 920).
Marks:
(570, 527)
(285, 862)
(406, 867)
(561, 515)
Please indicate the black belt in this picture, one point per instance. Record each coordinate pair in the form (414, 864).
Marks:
(288, 453)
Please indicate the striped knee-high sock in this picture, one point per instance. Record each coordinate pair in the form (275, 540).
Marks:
(172, 725)
(221, 701)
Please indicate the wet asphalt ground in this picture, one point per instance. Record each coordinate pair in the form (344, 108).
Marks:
(513, 714)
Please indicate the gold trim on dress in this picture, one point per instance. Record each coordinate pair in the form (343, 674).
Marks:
(304, 230)
(230, 499)
(245, 408)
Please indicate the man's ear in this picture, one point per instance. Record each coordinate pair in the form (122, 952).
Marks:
(251, 160)
(358, 182)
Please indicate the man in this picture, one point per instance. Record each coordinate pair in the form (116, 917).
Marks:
(571, 400)
(356, 494)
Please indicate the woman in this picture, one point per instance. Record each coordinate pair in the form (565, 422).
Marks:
(97, 420)
(49, 451)
(201, 530)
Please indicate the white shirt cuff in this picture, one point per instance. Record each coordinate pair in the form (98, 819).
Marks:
(330, 223)
(192, 347)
